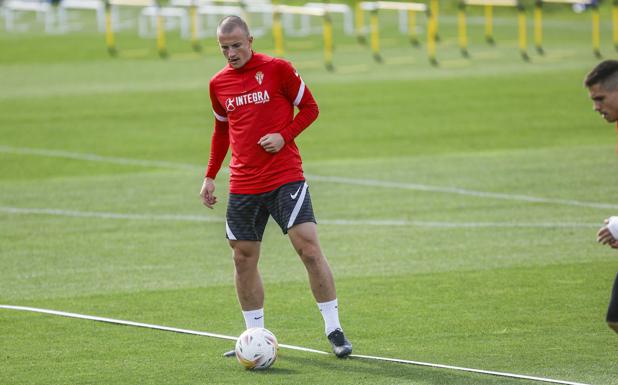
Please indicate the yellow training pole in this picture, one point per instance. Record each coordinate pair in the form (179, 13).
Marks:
(431, 39)
(359, 21)
(110, 41)
(328, 42)
(596, 31)
(161, 44)
(462, 29)
(615, 23)
(523, 43)
(538, 26)
(375, 35)
(489, 24)
(435, 13)
(195, 43)
(278, 34)
(412, 28)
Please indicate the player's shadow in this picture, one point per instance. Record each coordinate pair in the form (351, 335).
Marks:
(409, 373)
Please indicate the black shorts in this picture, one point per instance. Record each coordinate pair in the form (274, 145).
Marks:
(612, 310)
(247, 214)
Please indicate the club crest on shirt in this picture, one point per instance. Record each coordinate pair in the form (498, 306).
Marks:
(259, 76)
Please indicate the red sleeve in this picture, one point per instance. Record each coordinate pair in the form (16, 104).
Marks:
(220, 141)
(299, 95)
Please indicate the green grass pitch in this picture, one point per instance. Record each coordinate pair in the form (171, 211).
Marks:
(458, 207)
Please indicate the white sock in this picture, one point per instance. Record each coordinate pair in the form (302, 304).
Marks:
(330, 313)
(254, 318)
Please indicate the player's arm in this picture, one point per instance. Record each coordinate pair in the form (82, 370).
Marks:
(219, 144)
(300, 96)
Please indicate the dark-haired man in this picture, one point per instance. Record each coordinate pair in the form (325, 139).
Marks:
(253, 100)
(602, 84)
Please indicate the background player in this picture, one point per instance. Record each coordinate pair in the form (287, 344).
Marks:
(602, 84)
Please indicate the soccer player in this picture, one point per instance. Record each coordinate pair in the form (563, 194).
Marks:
(602, 84)
(253, 99)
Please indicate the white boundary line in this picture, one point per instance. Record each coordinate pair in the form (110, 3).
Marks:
(311, 177)
(459, 191)
(142, 325)
(221, 336)
(479, 371)
(334, 222)
(95, 158)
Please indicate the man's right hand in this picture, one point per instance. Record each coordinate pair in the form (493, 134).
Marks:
(207, 193)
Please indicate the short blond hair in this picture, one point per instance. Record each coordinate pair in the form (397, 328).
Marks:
(230, 23)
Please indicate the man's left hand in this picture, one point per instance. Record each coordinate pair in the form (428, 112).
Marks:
(272, 143)
(605, 237)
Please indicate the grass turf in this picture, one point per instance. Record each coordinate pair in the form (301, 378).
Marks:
(449, 276)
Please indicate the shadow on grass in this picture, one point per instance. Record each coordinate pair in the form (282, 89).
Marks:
(410, 373)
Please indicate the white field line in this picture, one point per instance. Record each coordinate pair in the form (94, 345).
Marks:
(335, 222)
(221, 336)
(459, 191)
(311, 177)
(95, 158)
(141, 325)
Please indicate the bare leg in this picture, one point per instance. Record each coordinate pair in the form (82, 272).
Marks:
(247, 276)
(304, 238)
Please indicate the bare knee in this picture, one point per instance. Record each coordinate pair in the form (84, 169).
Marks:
(245, 254)
(613, 326)
(310, 253)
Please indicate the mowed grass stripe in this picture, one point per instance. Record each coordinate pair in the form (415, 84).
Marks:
(321, 178)
(342, 222)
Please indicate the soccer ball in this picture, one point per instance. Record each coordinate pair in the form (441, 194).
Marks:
(256, 348)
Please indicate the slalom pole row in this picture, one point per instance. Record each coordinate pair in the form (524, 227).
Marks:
(595, 18)
(375, 7)
(111, 19)
(362, 9)
(488, 6)
(327, 29)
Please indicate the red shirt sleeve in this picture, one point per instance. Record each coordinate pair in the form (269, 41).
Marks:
(300, 96)
(220, 141)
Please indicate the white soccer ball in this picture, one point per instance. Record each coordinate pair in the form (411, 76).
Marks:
(256, 348)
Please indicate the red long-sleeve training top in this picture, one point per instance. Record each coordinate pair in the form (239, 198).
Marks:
(248, 103)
